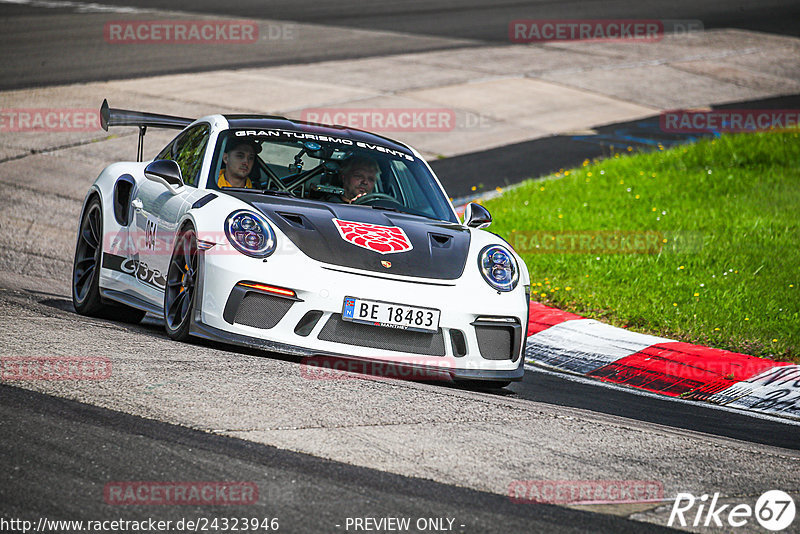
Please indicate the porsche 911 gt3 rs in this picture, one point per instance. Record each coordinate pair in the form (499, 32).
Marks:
(250, 230)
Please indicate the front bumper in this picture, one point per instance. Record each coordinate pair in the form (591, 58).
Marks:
(481, 332)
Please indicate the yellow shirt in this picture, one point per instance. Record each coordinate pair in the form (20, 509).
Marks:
(223, 182)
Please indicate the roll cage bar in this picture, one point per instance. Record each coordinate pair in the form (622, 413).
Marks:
(124, 117)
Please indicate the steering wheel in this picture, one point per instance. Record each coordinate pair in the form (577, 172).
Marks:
(374, 196)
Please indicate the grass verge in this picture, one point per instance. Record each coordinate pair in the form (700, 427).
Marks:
(699, 243)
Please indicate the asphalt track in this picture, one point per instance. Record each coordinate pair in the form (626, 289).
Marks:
(57, 42)
(72, 450)
(57, 454)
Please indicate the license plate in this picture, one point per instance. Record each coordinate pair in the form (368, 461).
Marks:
(390, 315)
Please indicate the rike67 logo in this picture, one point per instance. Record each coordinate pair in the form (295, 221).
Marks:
(381, 239)
(774, 510)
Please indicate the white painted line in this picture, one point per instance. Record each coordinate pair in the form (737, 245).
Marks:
(79, 7)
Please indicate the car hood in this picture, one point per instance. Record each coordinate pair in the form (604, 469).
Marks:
(438, 249)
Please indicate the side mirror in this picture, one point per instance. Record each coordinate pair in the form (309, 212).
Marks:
(165, 172)
(476, 216)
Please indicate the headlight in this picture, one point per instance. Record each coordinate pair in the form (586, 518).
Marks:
(498, 267)
(250, 234)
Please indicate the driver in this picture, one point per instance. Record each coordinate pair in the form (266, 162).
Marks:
(358, 178)
(239, 158)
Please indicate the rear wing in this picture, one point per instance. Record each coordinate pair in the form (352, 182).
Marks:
(124, 117)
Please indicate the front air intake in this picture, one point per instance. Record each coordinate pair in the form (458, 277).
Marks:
(499, 338)
(375, 337)
(261, 311)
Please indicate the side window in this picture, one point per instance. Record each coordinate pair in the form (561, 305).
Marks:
(189, 150)
(166, 152)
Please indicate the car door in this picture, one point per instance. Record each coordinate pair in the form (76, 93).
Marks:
(157, 211)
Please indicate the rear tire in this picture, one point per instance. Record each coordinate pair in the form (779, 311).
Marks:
(181, 287)
(86, 271)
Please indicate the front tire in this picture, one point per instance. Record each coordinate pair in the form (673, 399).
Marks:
(179, 295)
(86, 270)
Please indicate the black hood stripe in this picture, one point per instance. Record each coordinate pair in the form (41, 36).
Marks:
(438, 248)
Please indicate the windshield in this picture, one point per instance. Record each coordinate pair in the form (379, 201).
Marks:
(327, 169)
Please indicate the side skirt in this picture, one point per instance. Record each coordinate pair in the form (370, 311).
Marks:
(130, 300)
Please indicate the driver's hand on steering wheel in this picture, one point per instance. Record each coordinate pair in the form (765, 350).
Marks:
(356, 197)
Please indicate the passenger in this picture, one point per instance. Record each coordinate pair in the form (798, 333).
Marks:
(239, 158)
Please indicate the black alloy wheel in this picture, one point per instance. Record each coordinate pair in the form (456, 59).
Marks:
(181, 286)
(86, 271)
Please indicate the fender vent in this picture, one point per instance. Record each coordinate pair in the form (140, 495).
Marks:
(122, 199)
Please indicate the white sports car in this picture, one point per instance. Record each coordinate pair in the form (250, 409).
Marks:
(300, 238)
